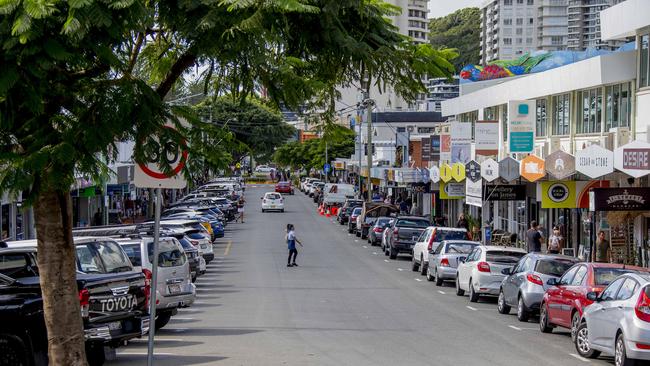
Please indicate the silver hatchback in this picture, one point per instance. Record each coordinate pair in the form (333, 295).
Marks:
(618, 322)
(444, 260)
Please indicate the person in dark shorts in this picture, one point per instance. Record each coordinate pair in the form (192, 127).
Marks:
(534, 238)
(291, 245)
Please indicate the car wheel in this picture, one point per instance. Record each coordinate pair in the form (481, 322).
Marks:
(13, 350)
(522, 312)
(423, 266)
(393, 254)
(95, 354)
(473, 296)
(263, 210)
(544, 327)
(282, 210)
(620, 355)
(582, 342)
(439, 280)
(414, 266)
(429, 276)
(459, 291)
(357, 233)
(575, 323)
(502, 307)
(162, 320)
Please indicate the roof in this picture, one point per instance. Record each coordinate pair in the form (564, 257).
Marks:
(32, 243)
(552, 256)
(502, 248)
(624, 20)
(407, 117)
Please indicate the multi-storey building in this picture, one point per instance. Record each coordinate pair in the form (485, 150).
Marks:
(440, 89)
(509, 29)
(552, 25)
(584, 24)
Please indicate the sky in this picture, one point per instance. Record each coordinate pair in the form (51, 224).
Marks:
(439, 8)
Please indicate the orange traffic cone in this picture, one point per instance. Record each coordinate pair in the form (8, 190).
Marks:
(327, 213)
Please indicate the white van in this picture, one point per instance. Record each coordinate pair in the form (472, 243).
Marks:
(338, 193)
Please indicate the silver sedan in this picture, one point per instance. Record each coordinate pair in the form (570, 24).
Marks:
(444, 260)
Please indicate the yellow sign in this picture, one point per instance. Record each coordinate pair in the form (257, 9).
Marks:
(445, 173)
(559, 194)
(458, 172)
(452, 191)
(238, 166)
(339, 165)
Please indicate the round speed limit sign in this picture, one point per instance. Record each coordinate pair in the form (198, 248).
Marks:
(152, 174)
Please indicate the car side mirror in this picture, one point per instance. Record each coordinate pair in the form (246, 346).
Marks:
(462, 260)
(552, 282)
(506, 271)
(593, 296)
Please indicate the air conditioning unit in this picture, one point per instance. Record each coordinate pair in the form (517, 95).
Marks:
(410, 129)
(621, 136)
(554, 145)
(607, 141)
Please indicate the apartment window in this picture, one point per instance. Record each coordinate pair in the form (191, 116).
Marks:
(644, 65)
(520, 21)
(529, 41)
(541, 119)
(617, 106)
(519, 31)
(519, 40)
(556, 40)
(507, 2)
(531, 2)
(426, 129)
(520, 2)
(490, 113)
(507, 22)
(507, 41)
(590, 107)
(401, 129)
(561, 114)
(530, 21)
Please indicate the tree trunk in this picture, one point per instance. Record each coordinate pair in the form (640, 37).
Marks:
(57, 268)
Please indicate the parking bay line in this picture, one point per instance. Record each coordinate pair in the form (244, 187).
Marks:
(386, 260)
(579, 358)
(418, 279)
(441, 292)
(400, 269)
(225, 253)
(471, 308)
(375, 253)
(365, 246)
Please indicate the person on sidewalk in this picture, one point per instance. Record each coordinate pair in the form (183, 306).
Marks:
(534, 238)
(291, 244)
(555, 242)
(603, 250)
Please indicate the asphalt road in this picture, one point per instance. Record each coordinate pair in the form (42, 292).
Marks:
(346, 304)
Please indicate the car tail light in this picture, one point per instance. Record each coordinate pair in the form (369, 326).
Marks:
(642, 308)
(377, 230)
(642, 346)
(194, 242)
(430, 245)
(533, 278)
(483, 267)
(444, 262)
(147, 287)
(396, 232)
(84, 302)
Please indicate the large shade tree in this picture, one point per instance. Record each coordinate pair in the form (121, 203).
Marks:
(80, 75)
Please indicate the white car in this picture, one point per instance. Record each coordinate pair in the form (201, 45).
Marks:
(429, 241)
(263, 169)
(272, 201)
(480, 273)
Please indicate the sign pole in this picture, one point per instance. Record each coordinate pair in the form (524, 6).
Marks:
(154, 279)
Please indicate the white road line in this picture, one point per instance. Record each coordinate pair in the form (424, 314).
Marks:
(513, 327)
(375, 253)
(356, 240)
(178, 330)
(386, 260)
(349, 234)
(145, 353)
(471, 308)
(400, 269)
(365, 246)
(441, 292)
(417, 279)
(158, 339)
(186, 319)
(579, 357)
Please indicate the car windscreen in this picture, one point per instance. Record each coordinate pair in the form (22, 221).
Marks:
(450, 235)
(133, 252)
(503, 256)
(382, 222)
(356, 211)
(553, 267)
(195, 234)
(273, 196)
(412, 223)
(186, 244)
(169, 254)
(102, 257)
(460, 248)
(604, 276)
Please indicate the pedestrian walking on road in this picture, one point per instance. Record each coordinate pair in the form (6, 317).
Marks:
(291, 244)
(240, 209)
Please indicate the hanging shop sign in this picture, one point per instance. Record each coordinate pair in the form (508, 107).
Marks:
(490, 170)
(621, 199)
(445, 147)
(461, 142)
(339, 165)
(509, 169)
(435, 148)
(425, 148)
(532, 168)
(452, 191)
(473, 171)
(434, 174)
(458, 172)
(521, 126)
(445, 172)
(560, 165)
(594, 161)
(558, 194)
(507, 192)
(633, 159)
(486, 138)
(474, 192)
(584, 187)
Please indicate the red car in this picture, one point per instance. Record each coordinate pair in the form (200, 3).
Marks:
(564, 302)
(284, 187)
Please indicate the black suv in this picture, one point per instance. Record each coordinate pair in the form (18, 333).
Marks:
(113, 300)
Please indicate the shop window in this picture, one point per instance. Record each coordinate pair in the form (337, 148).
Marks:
(644, 65)
(561, 114)
(590, 106)
(617, 105)
(541, 119)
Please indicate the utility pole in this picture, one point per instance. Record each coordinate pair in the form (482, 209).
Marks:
(369, 104)
(360, 152)
(327, 171)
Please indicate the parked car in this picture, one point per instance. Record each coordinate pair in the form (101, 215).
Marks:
(480, 273)
(375, 233)
(345, 211)
(113, 296)
(371, 211)
(526, 283)
(174, 288)
(352, 221)
(429, 241)
(198, 234)
(272, 201)
(443, 261)
(284, 187)
(402, 234)
(617, 323)
(193, 256)
(565, 300)
(315, 186)
(263, 169)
